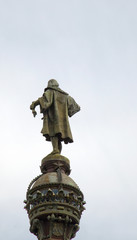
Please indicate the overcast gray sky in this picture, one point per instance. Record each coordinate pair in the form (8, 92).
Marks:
(90, 47)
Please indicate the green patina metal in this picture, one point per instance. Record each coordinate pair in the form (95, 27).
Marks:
(54, 202)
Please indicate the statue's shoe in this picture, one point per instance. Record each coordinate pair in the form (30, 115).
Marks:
(55, 151)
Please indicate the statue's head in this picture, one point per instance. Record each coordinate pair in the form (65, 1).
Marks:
(52, 83)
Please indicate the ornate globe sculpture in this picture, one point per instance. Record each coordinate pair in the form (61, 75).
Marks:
(54, 202)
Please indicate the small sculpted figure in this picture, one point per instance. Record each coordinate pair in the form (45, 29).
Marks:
(56, 106)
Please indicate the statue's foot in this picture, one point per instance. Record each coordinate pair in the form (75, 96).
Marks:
(55, 151)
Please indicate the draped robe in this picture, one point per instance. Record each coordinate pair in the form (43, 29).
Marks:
(56, 106)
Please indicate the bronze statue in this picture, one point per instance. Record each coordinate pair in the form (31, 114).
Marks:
(56, 105)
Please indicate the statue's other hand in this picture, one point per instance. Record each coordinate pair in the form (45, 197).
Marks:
(34, 113)
(32, 106)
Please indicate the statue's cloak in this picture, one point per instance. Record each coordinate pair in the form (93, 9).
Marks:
(56, 106)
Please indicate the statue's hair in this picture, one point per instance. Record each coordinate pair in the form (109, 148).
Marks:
(53, 83)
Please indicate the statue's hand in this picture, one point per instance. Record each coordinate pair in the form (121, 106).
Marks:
(34, 113)
(32, 106)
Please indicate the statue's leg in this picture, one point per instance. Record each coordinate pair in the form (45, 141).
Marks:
(59, 146)
(54, 141)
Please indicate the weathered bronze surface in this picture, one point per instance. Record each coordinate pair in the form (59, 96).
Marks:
(54, 206)
(56, 105)
(54, 202)
(55, 162)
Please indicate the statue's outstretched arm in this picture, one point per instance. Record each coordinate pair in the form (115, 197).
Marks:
(33, 105)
